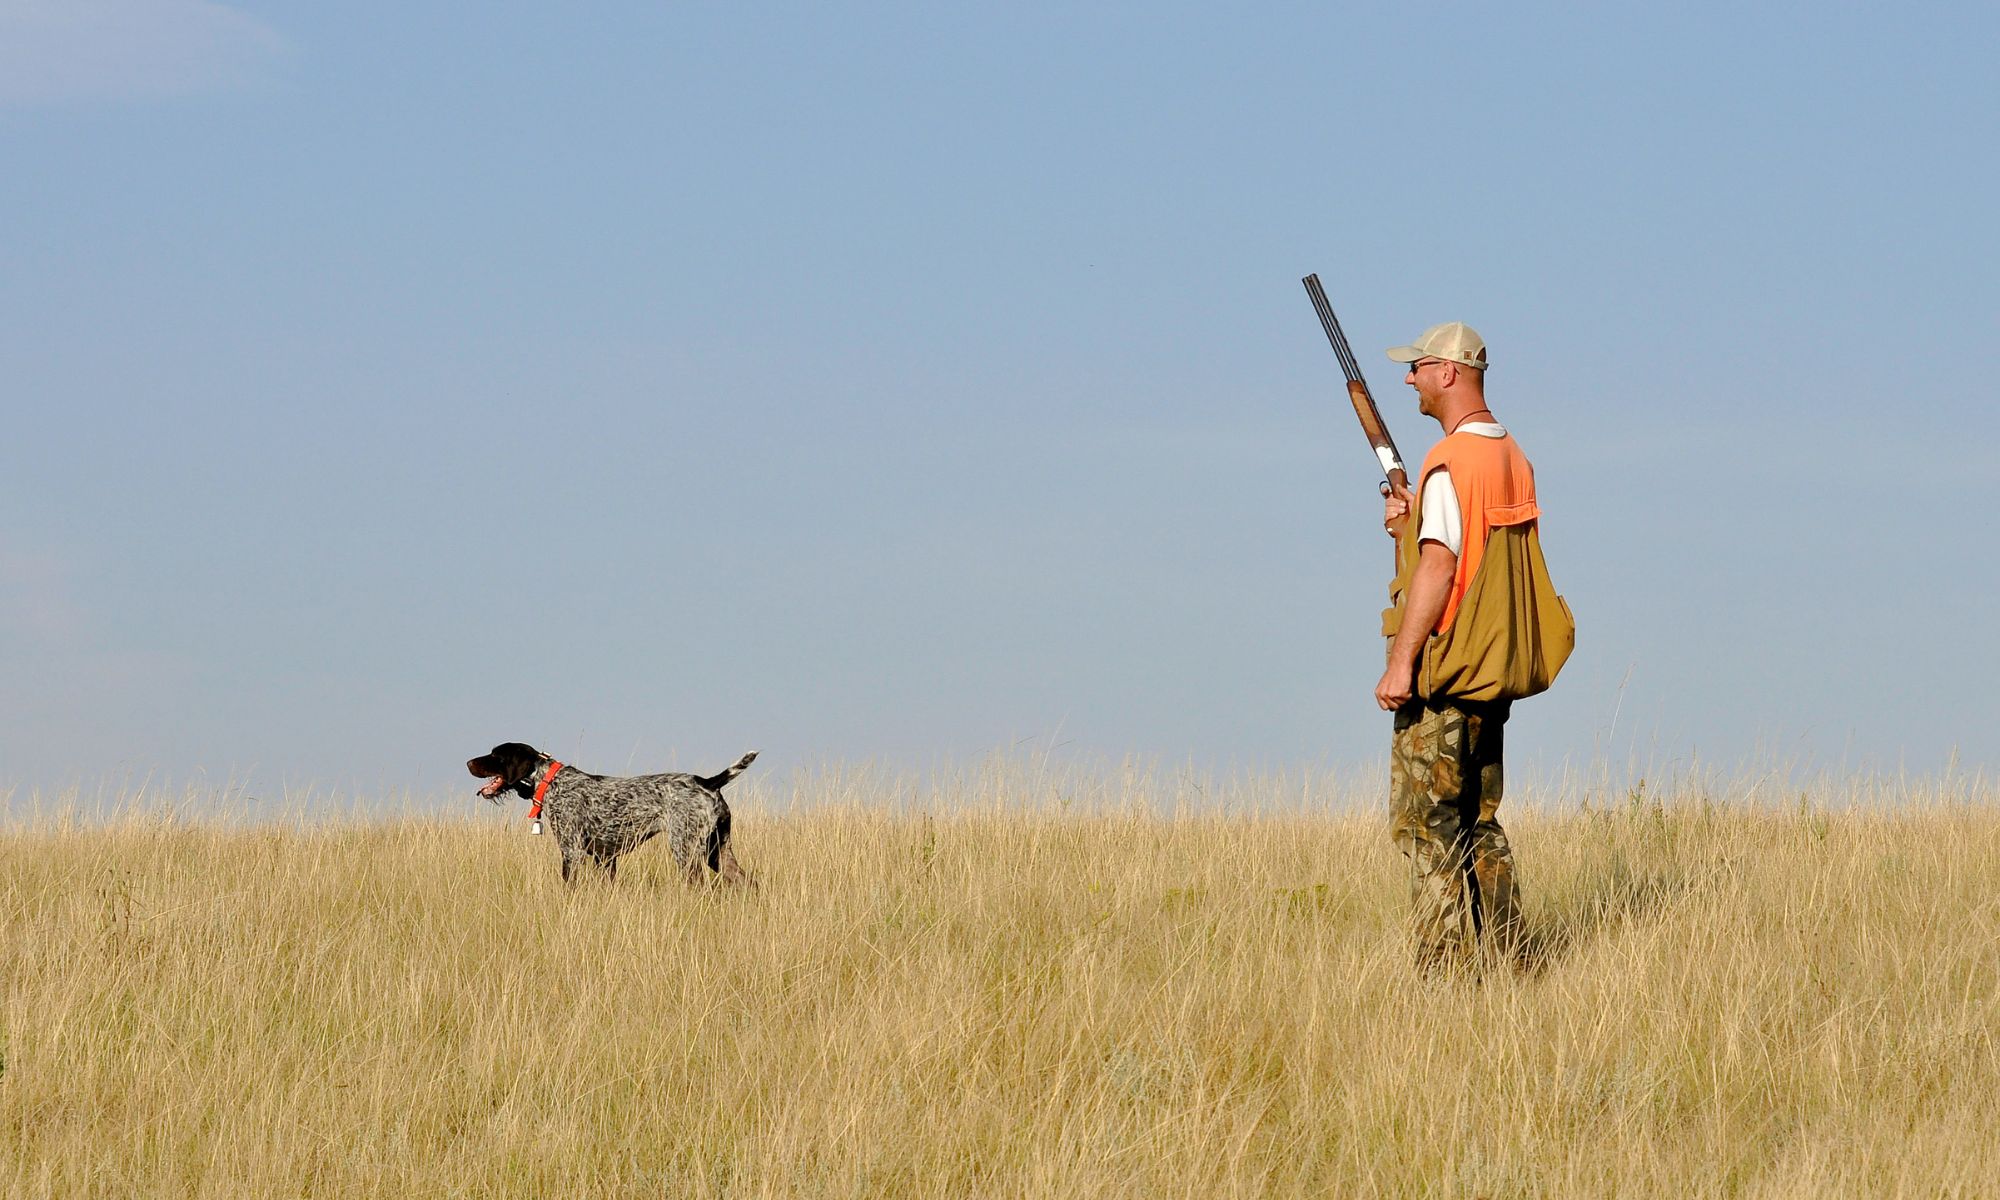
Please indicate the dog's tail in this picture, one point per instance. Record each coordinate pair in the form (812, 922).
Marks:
(716, 783)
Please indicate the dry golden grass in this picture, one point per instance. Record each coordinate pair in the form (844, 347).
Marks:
(1034, 988)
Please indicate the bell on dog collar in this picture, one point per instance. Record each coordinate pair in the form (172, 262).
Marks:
(534, 828)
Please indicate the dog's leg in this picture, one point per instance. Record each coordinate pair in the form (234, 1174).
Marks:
(573, 850)
(721, 858)
(732, 873)
(695, 865)
(691, 855)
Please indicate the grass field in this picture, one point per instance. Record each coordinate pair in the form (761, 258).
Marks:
(1011, 989)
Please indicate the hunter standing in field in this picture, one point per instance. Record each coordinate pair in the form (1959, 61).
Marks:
(1474, 626)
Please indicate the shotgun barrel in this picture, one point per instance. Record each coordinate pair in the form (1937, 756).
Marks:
(1394, 476)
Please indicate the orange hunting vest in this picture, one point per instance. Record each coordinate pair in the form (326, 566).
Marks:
(1495, 486)
(1516, 632)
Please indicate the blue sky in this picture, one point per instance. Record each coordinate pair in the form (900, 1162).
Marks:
(899, 383)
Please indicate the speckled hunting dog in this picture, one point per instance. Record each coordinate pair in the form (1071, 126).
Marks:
(603, 817)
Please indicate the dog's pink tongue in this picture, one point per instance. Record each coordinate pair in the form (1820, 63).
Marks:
(492, 787)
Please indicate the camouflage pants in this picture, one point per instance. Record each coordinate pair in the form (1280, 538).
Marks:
(1444, 792)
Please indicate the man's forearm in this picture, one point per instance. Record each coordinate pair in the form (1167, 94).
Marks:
(1423, 604)
(1429, 589)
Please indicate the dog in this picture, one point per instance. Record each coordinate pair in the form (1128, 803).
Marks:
(605, 817)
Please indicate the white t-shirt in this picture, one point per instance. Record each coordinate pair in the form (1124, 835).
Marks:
(1441, 519)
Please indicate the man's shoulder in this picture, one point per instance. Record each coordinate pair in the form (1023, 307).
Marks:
(1473, 440)
(1474, 457)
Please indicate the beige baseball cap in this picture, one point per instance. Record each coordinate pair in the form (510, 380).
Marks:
(1453, 341)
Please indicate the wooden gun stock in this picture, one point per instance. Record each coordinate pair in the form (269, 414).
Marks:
(1395, 478)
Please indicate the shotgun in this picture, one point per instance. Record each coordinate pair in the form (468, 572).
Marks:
(1357, 391)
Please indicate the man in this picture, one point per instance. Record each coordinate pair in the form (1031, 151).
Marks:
(1444, 768)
